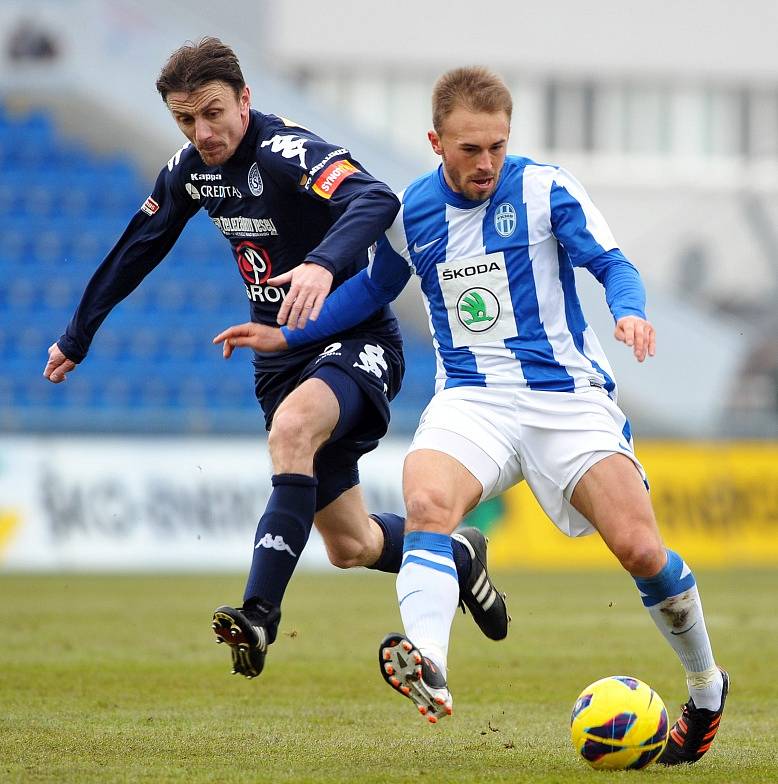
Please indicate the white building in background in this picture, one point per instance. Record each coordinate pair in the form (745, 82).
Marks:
(667, 112)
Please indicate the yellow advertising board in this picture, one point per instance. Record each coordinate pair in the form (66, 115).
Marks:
(716, 503)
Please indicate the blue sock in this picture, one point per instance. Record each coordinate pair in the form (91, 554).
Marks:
(673, 579)
(282, 533)
(393, 527)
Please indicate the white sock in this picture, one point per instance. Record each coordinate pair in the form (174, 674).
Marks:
(681, 621)
(428, 593)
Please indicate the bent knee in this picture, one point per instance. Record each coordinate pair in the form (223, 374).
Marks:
(427, 509)
(641, 558)
(291, 432)
(348, 553)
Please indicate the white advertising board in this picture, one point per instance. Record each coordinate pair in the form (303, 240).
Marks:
(108, 503)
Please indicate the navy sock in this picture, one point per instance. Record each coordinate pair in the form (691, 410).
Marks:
(462, 561)
(282, 533)
(391, 556)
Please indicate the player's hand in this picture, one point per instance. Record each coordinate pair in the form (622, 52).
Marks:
(637, 333)
(58, 366)
(260, 337)
(310, 285)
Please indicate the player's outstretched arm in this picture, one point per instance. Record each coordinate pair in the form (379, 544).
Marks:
(260, 337)
(58, 366)
(637, 333)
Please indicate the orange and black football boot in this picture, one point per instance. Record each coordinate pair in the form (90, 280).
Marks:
(691, 736)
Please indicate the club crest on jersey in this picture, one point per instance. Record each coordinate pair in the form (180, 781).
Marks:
(505, 219)
(478, 309)
(256, 186)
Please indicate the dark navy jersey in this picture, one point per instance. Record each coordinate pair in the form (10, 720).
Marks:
(285, 196)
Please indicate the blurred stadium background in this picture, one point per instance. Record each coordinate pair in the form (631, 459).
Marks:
(152, 454)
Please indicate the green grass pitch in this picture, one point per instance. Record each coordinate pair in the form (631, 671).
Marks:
(117, 679)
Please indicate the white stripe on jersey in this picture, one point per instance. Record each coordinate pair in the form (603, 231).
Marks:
(397, 238)
(440, 370)
(465, 232)
(595, 223)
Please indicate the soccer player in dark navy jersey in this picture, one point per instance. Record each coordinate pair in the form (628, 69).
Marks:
(300, 215)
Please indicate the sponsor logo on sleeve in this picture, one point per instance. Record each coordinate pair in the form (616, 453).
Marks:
(289, 146)
(331, 178)
(149, 206)
(256, 186)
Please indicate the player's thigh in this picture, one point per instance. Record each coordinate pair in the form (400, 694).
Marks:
(614, 498)
(438, 491)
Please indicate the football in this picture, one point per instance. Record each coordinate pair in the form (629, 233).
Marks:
(619, 722)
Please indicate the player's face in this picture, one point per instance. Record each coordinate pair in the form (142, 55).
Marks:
(213, 118)
(473, 146)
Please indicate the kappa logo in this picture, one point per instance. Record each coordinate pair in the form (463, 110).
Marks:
(478, 309)
(175, 160)
(371, 360)
(275, 543)
(505, 219)
(256, 186)
(289, 146)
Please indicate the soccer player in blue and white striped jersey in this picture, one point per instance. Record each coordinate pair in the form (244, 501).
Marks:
(524, 390)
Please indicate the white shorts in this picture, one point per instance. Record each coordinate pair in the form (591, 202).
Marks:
(550, 439)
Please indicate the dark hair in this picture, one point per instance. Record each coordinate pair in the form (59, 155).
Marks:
(474, 88)
(195, 64)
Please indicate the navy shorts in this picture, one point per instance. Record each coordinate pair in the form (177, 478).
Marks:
(364, 373)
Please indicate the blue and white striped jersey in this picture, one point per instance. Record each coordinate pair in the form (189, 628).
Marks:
(497, 279)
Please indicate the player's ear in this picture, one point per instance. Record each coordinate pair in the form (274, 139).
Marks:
(435, 142)
(245, 97)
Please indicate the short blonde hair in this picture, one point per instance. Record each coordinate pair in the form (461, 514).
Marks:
(474, 88)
